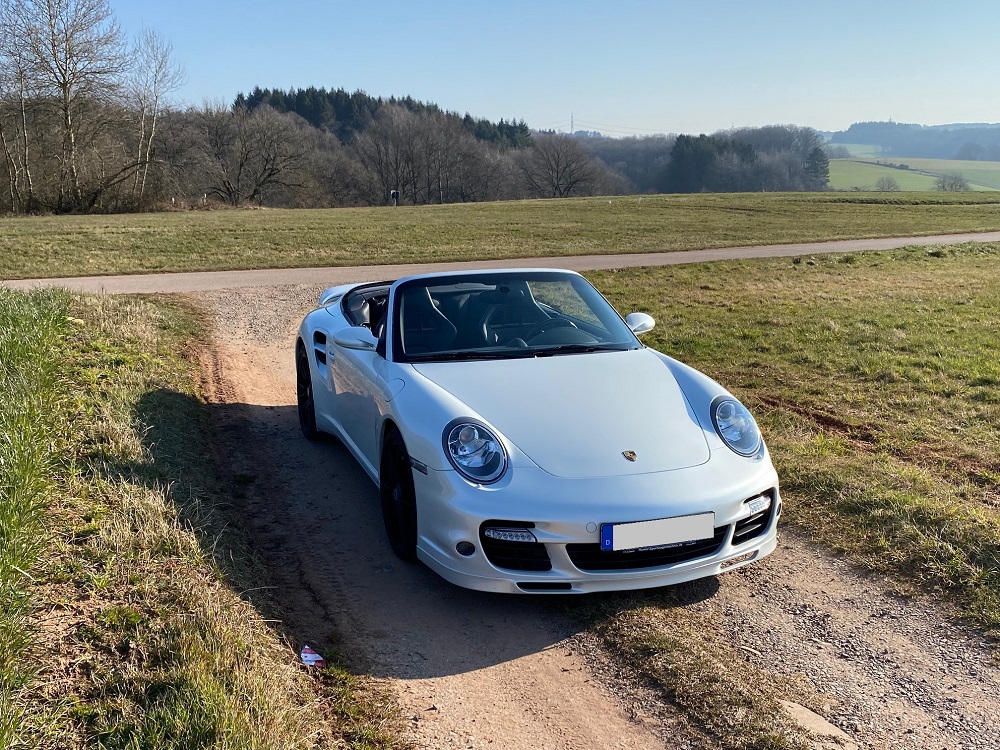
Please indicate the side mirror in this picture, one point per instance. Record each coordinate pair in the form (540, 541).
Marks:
(355, 337)
(640, 323)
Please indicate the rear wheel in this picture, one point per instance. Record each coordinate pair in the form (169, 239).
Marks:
(399, 504)
(304, 395)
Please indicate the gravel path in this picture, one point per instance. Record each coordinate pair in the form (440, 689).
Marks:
(473, 670)
(216, 280)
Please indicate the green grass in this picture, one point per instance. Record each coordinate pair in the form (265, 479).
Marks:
(876, 379)
(985, 173)
(31, 327)
(140, 638)
(847, 174)
(854, 174)
(190, 241)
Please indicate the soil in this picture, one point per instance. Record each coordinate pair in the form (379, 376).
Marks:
(475, 670)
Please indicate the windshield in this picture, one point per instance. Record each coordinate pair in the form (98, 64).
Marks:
(496, 315)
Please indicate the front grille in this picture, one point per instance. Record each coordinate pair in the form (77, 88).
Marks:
(590, 556)
(755, 525)
(513, 555)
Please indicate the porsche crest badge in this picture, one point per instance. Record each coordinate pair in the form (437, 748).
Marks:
(630, 455)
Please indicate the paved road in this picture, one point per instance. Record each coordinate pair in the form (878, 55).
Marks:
(202, 281)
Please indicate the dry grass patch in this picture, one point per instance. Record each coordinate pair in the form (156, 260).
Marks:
(272, 238)
(141, 636)
(874, 377)
(687, 657)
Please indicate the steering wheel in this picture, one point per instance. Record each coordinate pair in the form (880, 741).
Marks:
(545, 325)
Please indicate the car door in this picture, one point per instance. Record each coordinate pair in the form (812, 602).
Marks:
(356, 376)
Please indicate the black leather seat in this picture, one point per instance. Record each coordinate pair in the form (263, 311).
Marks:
(425, 328)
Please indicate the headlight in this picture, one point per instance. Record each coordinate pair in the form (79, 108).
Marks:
(735, 426)
(474, 451)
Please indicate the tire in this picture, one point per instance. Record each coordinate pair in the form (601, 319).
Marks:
(304, 395)
(399, 502)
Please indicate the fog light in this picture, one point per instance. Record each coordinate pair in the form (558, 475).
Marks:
(758, 504)
(465, 549)
(510, 535)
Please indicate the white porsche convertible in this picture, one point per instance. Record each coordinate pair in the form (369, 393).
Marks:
(524, 440)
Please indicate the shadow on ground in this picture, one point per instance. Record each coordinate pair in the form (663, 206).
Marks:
(309, 518)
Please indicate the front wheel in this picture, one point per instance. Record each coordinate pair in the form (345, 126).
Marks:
(399, 503)
(304, 395)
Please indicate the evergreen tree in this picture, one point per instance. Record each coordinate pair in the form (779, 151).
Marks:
(818, 169)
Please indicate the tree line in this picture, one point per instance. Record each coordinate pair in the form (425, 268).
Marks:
(973, 141)
(87, 124)
(347, 114)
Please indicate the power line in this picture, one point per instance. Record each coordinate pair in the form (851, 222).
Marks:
(620, 128)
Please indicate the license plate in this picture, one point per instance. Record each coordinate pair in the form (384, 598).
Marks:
(660, 533)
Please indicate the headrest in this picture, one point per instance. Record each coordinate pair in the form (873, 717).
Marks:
(502, 295)
(359, 309)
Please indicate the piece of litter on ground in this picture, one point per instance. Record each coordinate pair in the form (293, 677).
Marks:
(310, 658)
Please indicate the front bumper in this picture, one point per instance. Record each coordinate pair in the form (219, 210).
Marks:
(565, 513)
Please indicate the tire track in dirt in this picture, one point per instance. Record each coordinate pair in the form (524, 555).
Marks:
(475, 670)
(469, 669)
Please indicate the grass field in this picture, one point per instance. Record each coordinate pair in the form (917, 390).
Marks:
(875, 377)
(122, 619)
(31, 327)
(855, 174)
(848, 174)
(88, 245)
(985, 173)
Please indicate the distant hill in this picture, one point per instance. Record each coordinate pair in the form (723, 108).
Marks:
(344, 114)
(967, 141)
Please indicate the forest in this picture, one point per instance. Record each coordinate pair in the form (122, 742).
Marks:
(964, 141)
(88, 124)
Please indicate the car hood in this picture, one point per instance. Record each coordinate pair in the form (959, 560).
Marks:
(576, 415)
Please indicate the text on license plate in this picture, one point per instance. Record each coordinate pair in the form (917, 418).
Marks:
(620, 536)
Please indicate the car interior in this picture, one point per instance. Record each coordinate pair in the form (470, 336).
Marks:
(466, 316)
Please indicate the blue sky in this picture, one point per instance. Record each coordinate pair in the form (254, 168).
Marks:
(627, 67)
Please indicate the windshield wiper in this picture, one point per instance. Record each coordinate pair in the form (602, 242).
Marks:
(470, 355)
(580, 349)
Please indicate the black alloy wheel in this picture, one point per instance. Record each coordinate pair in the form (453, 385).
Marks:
(304, 394)
(399, 503)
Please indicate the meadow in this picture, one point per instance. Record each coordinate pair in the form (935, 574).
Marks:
(52, 246)
(123, 585)
(875, 378)
(864, 174)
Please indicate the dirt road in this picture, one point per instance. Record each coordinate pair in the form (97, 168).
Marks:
(205, 281)
(473, 670)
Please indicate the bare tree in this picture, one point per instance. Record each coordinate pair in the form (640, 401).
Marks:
(952, 182)
(15, 99)
(247, 153)
(556, 167)
(887, 185)
(154, 77)
(75, 57)
(384, 149)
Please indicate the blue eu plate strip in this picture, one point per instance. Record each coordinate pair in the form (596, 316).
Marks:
(607, 536)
